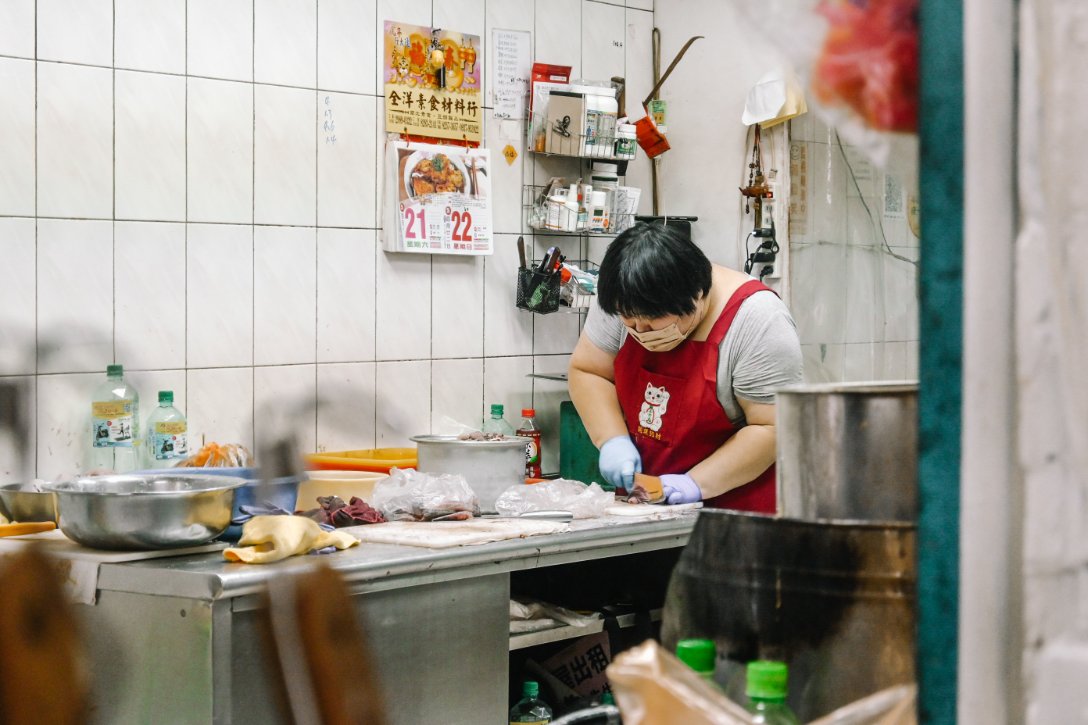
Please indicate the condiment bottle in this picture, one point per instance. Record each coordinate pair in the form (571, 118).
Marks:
(530, 708)
(530, 430)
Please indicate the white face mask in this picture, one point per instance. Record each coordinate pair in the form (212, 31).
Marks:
(670, 336)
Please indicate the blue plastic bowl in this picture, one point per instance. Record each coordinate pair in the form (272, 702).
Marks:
(280, 492)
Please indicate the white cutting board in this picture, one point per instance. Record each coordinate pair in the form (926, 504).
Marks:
(444, 534)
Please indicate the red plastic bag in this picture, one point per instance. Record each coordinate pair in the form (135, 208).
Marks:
(869, 61)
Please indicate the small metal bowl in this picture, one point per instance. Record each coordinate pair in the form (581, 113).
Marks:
(26, 502)
(151, 511)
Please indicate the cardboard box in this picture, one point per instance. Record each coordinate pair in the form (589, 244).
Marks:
(566, 119)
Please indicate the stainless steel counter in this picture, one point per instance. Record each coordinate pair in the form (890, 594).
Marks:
(176, 640)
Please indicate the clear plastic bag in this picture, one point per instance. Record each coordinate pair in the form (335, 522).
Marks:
(561, 494)
(409, 495)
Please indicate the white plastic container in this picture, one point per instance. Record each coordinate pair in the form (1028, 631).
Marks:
(601, 114)
(599, 212)
(626, 141)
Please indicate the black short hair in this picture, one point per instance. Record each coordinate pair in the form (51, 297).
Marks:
(652, 270)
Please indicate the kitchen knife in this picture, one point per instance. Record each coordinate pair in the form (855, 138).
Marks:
(521, 252)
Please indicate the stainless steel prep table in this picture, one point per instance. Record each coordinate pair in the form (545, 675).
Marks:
(176, 640)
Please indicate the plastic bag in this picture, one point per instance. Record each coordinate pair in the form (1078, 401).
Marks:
(409, 495)
(653, 686)
(561, 494)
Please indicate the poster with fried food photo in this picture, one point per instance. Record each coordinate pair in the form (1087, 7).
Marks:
(438, 199)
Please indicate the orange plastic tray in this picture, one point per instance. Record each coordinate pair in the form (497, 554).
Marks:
(372, 459)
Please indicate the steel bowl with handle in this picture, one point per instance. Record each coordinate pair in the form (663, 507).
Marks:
(26, 502)
(145, 511)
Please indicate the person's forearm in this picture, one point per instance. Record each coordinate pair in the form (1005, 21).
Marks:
(595, 399)
(740, 460)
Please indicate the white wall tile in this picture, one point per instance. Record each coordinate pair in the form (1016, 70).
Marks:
(75, 141)
(556, 333)
(823, 363)
(220, 150)
(284, 295)
(78, 31)
(895, 361)
(507, 381)
(409, 12)
(150, 35)
(64, 423)
(345, 295)
(284, 156)
(641, 4)
(507, 330)
(17, 296)
(639, 77)
(860, 361)
(18, 459)
(16, 136)
(285, 42)
(404, 306)
(559, 34)
(344, 63)
(506, 179)
(17, 28)
(380, 140)
(403, 402)
(346, 160)
(827, 211)
(818, 289)
(149, 307)
(345, 416)
(912, 359)
(547, 395)
(219, 318)
(456, 387)
(220, 39)
(75, 294)
(604, 33)
(864, 309)
(457, 316)
(900, 296)
(284, 403)
(150, 138)
(220, 404)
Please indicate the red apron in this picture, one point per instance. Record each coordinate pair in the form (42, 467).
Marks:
(670, 404)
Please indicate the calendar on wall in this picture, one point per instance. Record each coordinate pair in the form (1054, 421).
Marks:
(437, 199)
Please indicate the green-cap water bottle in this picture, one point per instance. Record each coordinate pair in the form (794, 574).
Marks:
(699, 655)
(767, 691)
(530, 708)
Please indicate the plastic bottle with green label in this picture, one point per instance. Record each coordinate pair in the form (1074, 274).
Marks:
(167, 434)
(767, 691)
(115, 424)
(530, 708)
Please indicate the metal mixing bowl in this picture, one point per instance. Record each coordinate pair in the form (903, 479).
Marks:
(26, 502)
(148, 511)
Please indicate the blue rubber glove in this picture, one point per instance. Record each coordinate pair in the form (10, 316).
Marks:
(680, 488)
(619, 462)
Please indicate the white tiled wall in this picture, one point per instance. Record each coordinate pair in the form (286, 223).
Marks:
(854, 275)
(165, 203)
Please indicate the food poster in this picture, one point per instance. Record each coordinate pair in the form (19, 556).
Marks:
(432, 82)
(438, 199)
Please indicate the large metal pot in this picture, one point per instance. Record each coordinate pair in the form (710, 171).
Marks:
(848, 451)
(490, 467)
(148, 511)
(835, 600)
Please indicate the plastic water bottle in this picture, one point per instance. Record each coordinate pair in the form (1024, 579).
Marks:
(767, 693)
(167, 434)
(496, 423)
(699, 655)
(530, 708)
(115, 424)
(529, 429)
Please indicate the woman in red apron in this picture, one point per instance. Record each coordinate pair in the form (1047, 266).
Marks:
(653, 406)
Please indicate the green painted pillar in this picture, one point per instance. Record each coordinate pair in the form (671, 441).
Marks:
(941, 354)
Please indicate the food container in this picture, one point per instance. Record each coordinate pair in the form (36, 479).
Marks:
(145, 511)
(26, 502)
(379, 460)
(848, 451)
(490, 467)
(344, 484)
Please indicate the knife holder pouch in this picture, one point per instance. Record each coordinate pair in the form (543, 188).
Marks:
(537, 292)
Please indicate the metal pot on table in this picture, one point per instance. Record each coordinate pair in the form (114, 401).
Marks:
(489, 466)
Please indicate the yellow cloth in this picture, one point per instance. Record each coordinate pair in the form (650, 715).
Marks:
(270, 538)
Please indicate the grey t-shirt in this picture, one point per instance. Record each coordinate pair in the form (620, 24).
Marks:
(761, 351)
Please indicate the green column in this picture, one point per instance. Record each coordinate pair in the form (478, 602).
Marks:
(941, 354)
